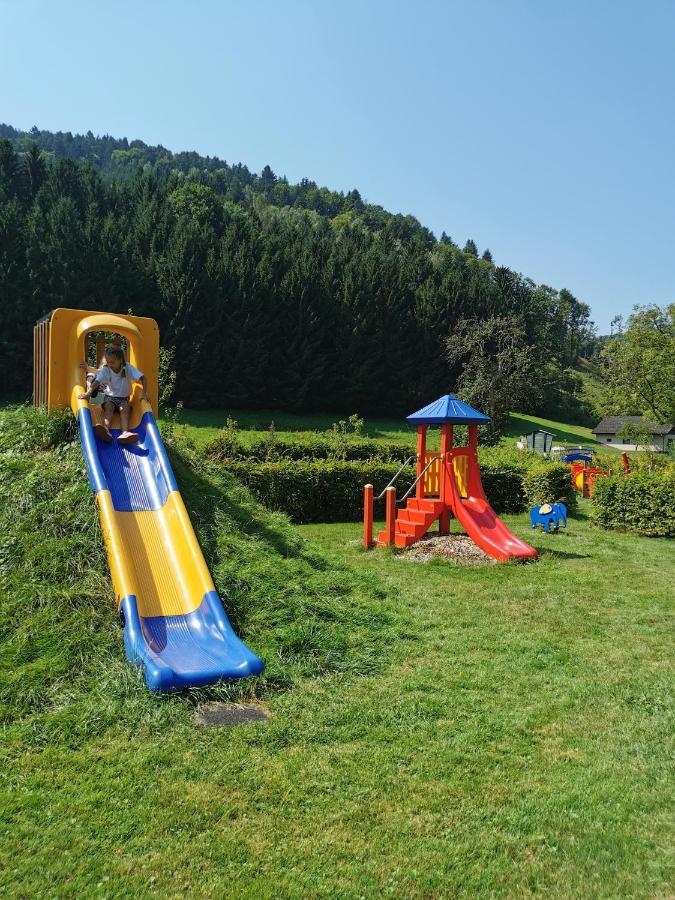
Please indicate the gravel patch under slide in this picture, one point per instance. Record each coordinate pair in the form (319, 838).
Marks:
(457, 547)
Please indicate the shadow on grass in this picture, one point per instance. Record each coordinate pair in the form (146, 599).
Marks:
(562, 554)
(206, 499)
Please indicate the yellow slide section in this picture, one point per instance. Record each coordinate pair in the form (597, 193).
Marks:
(155, 557)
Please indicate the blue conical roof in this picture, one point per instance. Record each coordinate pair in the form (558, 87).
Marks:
(447, 410)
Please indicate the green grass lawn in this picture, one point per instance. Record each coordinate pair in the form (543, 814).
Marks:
(514, 738)
(435, 730)
(203, 426)
(564, 433)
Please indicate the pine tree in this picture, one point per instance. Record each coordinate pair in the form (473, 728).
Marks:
(33, 173)
(9, 166)
(267, 178)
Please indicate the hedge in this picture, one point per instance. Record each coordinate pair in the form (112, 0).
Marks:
(549, 483)
(332, 491)
(312, 446)
(642, 502)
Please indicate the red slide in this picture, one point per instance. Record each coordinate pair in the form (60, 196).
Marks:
(488, 532)
(480, 521)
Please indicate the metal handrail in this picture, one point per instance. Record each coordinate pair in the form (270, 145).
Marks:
(408, 460)
(421, 475)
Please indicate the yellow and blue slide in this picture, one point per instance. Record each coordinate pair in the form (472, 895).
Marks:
(175, 626)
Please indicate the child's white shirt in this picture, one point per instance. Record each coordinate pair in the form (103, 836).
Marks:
(114, 383)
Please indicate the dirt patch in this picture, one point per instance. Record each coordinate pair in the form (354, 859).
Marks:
(457, 547)
(218, 715)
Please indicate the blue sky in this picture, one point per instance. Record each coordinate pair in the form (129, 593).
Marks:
(544, 130)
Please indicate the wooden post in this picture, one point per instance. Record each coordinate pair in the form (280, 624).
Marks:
(368, 516)
(390, 506)
(44, 364)
(36, 390)
(421, 454)
(100, 351)
(446, 439)
(446, 447)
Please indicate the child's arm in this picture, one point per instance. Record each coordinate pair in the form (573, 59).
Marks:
(94, 386)
(144, 395)
(140, 378)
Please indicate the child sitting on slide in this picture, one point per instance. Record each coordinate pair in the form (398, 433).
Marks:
(115, 379)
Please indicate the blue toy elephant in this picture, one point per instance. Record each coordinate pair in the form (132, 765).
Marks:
(549, 515)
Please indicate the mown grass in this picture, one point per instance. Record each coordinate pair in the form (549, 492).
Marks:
(435, 730)
(204, 425)
(563, 432)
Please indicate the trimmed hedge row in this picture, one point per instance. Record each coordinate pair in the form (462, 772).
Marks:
(642, 502)
(312, 446)
(332, 491)
(503, 486)
(315, 491)
(549, 483)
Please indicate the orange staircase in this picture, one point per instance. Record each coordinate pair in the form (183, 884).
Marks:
(413, 522)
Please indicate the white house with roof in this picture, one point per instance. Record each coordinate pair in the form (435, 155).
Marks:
(607, 432)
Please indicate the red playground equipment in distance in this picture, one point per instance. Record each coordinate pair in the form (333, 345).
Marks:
(447, 483)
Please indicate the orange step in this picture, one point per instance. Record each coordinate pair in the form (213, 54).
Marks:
(401, 539)
(414, 528)
(413, 522)
(426, 505)
(417, 515)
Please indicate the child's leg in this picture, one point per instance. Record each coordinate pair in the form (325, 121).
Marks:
(126, 437)
(124, 415)
(103, 429)
(108, 412)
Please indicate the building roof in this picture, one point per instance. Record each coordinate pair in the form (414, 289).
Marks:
(614, 424)
(447, 410)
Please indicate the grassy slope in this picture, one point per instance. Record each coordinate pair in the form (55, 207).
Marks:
(434, 729)
(564, 433)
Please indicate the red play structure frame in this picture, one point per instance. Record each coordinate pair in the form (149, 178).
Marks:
(447, 484)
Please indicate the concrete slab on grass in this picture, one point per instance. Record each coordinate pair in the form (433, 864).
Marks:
(218, 715)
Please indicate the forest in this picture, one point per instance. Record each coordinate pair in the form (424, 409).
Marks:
(272, 295)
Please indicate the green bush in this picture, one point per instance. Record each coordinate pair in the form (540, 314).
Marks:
(314, 490)
(503, 486)
(549, 483)
(332, 491)
(642, 502)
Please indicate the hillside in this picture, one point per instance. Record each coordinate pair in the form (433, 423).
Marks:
(121, 159)
(270, 297)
